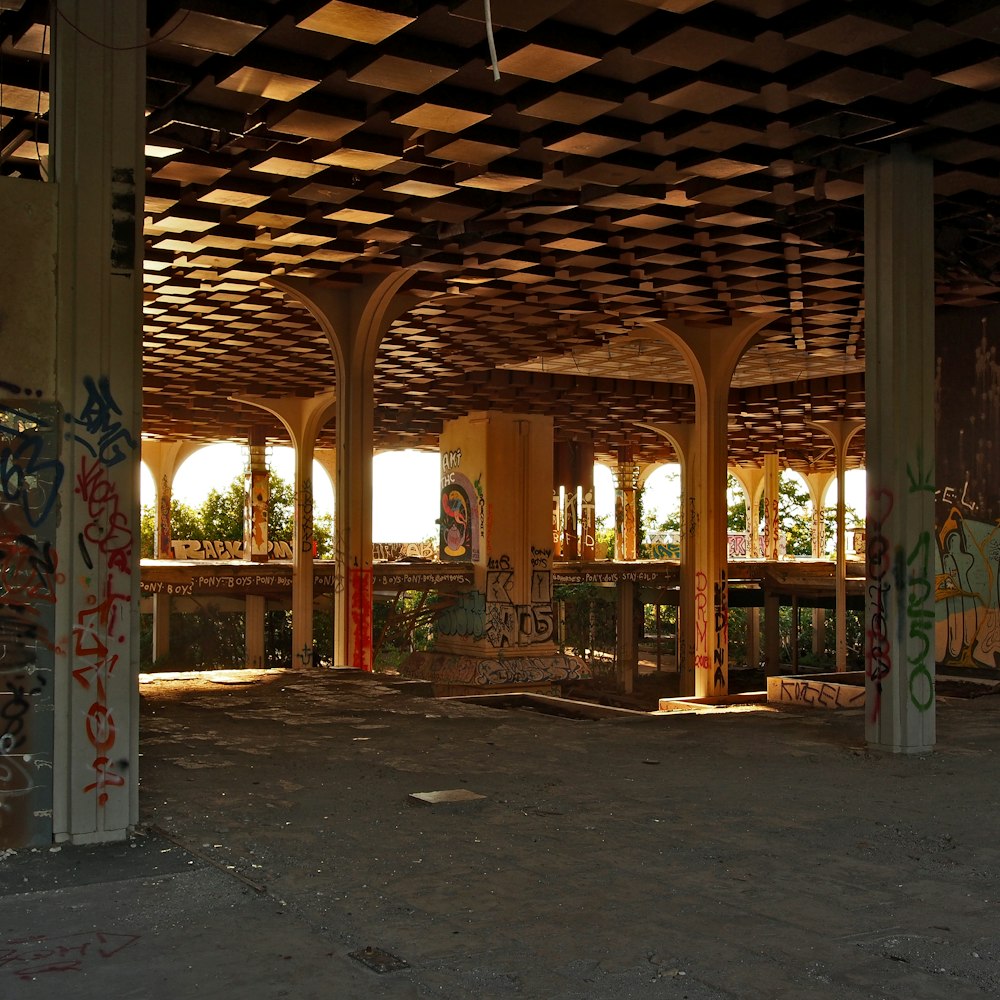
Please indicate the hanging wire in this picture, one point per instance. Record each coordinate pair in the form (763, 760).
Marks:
(122, 48)
(490, 41)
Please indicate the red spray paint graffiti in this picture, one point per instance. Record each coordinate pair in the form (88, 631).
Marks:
(102, 626)
(362, 587)
(701, 659)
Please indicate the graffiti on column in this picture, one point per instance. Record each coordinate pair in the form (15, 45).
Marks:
(701, 660)
(588, 524)
(878, 648)
(30, 478)
(508, 623)
(305, 505)
(101, 629)
(771, 529)
(721, 630)
(501, 617)
(920, 618)
(362, 593)
(102, 626)
(460, 518)
(570, 526)
(97, 426)
(536, 620)
(466, 618)
(478, 486)
(556, 521)
(260, 489)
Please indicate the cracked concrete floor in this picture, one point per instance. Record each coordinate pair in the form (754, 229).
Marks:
(753, 854)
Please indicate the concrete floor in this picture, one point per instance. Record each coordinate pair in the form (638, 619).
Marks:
(749, 854)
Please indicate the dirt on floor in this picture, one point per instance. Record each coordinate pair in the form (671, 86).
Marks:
(762, 854)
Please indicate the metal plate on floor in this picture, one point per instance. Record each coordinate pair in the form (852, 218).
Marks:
(379, 960)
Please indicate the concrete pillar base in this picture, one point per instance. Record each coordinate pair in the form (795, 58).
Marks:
(453, 673)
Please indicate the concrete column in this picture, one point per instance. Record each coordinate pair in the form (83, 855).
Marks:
(626, 637)
(583, 474)
(255, 543)
(712, 354)
(899, 380)
(751, 478)
(96, 135)
(681, 438)
(303, 418)
(626, 476)
(772, 525)
(841, 432)
(564, 540)
(354, 320)
(256, 608)
(258, 481)
(817, 483)
(496, 476)
(163, 459)
(772, 635)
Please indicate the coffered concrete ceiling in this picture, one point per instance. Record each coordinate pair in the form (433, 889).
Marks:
(634, 161)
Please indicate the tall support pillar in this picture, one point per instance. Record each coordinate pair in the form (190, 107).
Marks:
(98, 89)
(255, 543)
(841, 432)
(817, 483)
(626, 636)
(258, 484)
(626, 494)
(899, 380)
(712, 354)
(163, 459)
(751, 478)
(772, 525)
(681, 437)
(303, 418)
(496, 480)
(355, 321)
(583, 474)
(563, 502)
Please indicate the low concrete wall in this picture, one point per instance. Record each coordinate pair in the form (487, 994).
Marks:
(845, 690)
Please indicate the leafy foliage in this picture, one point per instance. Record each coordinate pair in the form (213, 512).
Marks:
(221, 517)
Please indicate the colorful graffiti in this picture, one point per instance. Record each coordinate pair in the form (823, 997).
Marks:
(460, 519)
(101, 629)
(509, 623)
(30, 477)
(361, 595)
(967, 491)
(184, 548)
(967, 592)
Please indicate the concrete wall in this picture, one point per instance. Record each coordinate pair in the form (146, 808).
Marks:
(967, 488)
(33, 485)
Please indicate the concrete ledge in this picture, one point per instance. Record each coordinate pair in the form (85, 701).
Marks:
(550, 705)
(689, 703)
(838, 690)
